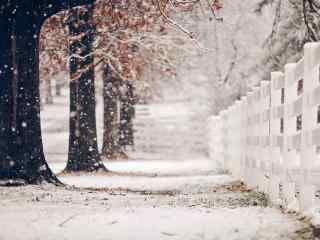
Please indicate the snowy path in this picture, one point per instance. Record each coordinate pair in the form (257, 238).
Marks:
(144, 200)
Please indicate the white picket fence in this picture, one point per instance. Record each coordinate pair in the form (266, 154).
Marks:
(271, 137)
(168, 136)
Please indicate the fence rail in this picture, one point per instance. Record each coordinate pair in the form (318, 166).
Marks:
(171, 136)
(271, 137)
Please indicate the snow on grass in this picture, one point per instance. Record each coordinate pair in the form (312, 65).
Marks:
(185, 184)
(144, 223)
(190, 176)
(196, 166)
(164, 167)
(314, 214)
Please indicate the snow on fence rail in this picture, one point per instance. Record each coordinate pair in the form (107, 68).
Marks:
(271, 137)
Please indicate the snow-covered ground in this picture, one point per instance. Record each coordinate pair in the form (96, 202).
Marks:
(144, 223)
(177, 176)
(140, 199)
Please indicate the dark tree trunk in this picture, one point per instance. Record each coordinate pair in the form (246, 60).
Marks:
(83, 148)
(48, 91)
(28, 126)
(110, 146)
(127, 115)
(6, 76)
(58, 87)
(21, 147)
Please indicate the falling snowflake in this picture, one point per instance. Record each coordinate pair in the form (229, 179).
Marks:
(43, 168)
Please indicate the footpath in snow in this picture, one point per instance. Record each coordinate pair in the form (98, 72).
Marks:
(146, 200)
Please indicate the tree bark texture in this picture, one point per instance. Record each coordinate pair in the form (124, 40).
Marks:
(83, 148)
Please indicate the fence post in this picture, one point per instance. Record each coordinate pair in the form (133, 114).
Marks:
(224, 137)
(289, 118)
(276, 131)
(237, 131)
(310, 107)
(248, 138)
(244, 129)
(229, 137)
(264, 137)
(215, 140)
(310, 120)
(256, 173)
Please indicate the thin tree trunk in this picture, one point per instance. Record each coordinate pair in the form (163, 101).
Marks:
(127, 114)
(110, 115)
(48, 91)
(58, 87)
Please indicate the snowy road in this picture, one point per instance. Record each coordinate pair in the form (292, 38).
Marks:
(144, 200)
